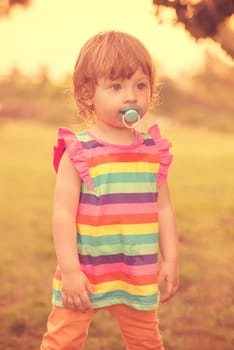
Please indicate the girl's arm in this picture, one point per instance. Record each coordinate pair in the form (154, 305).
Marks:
(168, 243)
(75, 285)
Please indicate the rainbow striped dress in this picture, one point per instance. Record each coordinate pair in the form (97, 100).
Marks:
(117, 224)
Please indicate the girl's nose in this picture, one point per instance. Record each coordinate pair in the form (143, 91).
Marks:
(130, 95)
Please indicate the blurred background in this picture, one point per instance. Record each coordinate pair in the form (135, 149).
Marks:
(192, 42)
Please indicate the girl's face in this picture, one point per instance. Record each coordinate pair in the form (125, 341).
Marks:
(111, 96)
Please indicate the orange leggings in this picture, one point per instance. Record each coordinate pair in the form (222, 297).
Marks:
(68, 330)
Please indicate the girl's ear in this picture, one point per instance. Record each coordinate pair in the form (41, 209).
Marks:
(86, 93)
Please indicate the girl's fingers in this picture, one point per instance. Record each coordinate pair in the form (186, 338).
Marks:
(90, 288)
(67, 301)
(167, 294)
(77, 303)
(85, 302)
(171, 289)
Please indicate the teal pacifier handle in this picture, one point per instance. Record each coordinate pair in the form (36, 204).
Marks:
(131, 116)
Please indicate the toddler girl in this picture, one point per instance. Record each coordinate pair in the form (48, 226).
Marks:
(112, 208)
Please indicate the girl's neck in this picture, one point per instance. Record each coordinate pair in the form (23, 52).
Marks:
(111, 134)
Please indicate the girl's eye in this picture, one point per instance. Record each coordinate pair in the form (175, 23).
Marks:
(116, 87)
(141, 86)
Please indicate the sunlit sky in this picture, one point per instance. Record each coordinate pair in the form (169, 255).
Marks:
(50, 33)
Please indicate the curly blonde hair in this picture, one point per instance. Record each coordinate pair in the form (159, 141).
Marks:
(112, 55)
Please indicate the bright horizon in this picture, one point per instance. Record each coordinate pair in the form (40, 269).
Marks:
(51, 34)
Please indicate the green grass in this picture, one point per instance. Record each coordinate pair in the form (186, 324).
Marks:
(202, 185)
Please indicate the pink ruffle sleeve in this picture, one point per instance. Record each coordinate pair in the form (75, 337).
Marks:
(68, 140)
(163, 146)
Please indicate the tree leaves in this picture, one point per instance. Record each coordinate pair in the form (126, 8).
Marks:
(205, 19)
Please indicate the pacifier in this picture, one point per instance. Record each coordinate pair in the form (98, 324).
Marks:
(130, 116)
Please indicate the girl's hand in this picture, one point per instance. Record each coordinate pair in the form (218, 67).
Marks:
(169, 275)
(75, 290)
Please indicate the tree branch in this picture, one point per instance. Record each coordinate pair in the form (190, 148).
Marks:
(204, 19)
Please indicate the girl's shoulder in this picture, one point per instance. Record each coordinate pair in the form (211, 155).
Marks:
(68, 134)
(72, 142)
(153, 133)
(162, 147)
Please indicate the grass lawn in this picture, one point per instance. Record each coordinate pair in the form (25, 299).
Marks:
(201, 178)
